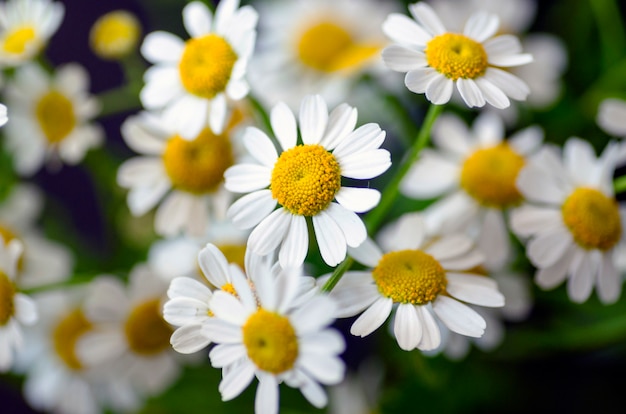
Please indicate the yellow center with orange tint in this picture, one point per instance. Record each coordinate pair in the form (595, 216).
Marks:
(66, 334)
(7, 296)
(456, 56)
(55, 115)
(146, 331)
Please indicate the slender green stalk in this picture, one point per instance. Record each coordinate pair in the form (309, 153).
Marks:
(610, 29)
(337, 274)
(619, 185)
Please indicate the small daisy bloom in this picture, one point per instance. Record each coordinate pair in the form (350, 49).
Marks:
(130, 335)
(184, 177)
(3, 115)
(305, 179)
(437, 60)
(16, 309)
(612, 116)
(272, 334)
(25, 28)
(572, 223)
(474, 171)
(307, 47)
(50, 117)
(192, 80)
(115, 35)
(418, 279)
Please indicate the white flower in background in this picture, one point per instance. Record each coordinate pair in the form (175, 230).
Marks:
(50, 117)
(183, 177)
(359, 392)
(130, 335)
(573, 226)
(474, 171)
(420, 279)
(25, 28)
(272, 334)
(193, 80)
(3, 115)
(612, 116)
(43, 261)
(305, 179)
(322, 46)
(16, 309)
(437, 60)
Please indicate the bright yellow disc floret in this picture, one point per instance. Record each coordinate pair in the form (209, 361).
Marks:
(7, 295)
(115, 34)
(66, 334)
(456, 56)
(410, 276)
(305, 179)
(146, 331)
(56, 116)
(592, 218)
(16, 41)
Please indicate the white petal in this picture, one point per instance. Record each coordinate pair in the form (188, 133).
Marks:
(545, 249)
(529, 220)
(431, 336)
(401, 59)
(481, 25)
(313, 392)
(612, 116)
(236, 381)
(358, 200)
(284, 125)
(227, 308)
(330, 239)
(316, 314)
(470, 92)
(510, 60)
(580, 160)
(418, 80)
(328, 341)
(260, 146)
(266, 399)
(536, 186)
(503, 45)
(494, 239)
(296, 243)
(431, 176)
(25, 309)
(583, 275)
(189, 339)
(488, 129)
(226, 354)
(510, 84)
(404, 30)
(366, 253)
(250, 209)
(365, 138)
(458, 317)
(365, 165)
(162, 47)
(162, 86)
(466, 288)
(552, 276)
(245, 178)
(439, 90)
(427, 17)
(407, 327)
(222, 332)
(407, 232)
(325, 369)
(217, 117)
(448, 247)
(526, 141)
(341, 122)
(270, 232)
(493, 94)
(313, 119)
(609, 284)
(372, 318)
(186, 287)
(214, 265)
(197, 19)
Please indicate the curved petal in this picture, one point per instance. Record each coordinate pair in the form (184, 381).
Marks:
(284, 125)
(189, 339)
(458, 317)
(330, 239)
(372, 318)
(250, 209)
(270, 232)
(197, 19)
(313, 119)
(407, 327)
(358, 200)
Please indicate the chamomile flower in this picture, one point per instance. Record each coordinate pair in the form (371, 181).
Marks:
(115, 35)
(272, 334)
(305, 179)
(42, 261)
(50, 117)
(418, 279)
(572, 223)
(612, 116)
(437, 60)
(184, 177)
(16, 309)
(307, 47)
(474, 171)
(130, 335)
(193, 80)
(25, 28)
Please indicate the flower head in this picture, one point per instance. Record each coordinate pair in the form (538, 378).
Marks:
(115, 35)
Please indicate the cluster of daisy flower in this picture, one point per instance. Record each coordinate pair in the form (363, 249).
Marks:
(270, 187)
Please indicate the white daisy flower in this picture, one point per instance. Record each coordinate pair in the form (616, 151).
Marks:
(305, 179)
(50, 117)
(323, 47)
(573, 225)
(16, 309)
(25, 28)
(3, 115)
(612, 116)
(42, 262)
(437, 60)
(422, 279)
(475, 172)
(184, 177)
(130, 335)
(273, 334)
(192, 80)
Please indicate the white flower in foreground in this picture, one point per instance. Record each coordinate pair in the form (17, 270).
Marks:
(437, 60)
(573, 225)
(612, 116)
(305, 179)
(272, 334)
(25, 28)
(418, 279)
(15, 308)
(192, 80)
(50, 117)
(474, 171)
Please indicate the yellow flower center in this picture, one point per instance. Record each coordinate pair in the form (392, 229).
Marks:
(7, 293)
(66, 334)
(488, 175)
(456, 56)
(271, 341)
(206, 65)
(305, 179)
(592, 218)
(234, 253)
(55, 114)
(146, 331)
(17, 41)
(198, 166)
(409, 276)
(115, 34)
(328, 47)
(8, 235)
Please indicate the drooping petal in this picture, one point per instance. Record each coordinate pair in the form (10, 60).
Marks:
(458, 317)
(372, 318)
(407, 327)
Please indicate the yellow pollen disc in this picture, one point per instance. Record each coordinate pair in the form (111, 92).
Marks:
(592, 218)
(488, 175)
(409, 276)
(229, 288)
(456, 56)
(17, 41)
(115, 34)
(305, 179)
(234, 253)
(271, 341)
(198, 166)
(146, 331)
(7, 293)
(66, 334)
(328, 47)
(55, 114)
(206, 65)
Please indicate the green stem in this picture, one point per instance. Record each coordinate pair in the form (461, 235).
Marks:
(610, 29)
(118, 100)
(619, 185)
(337, 274)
